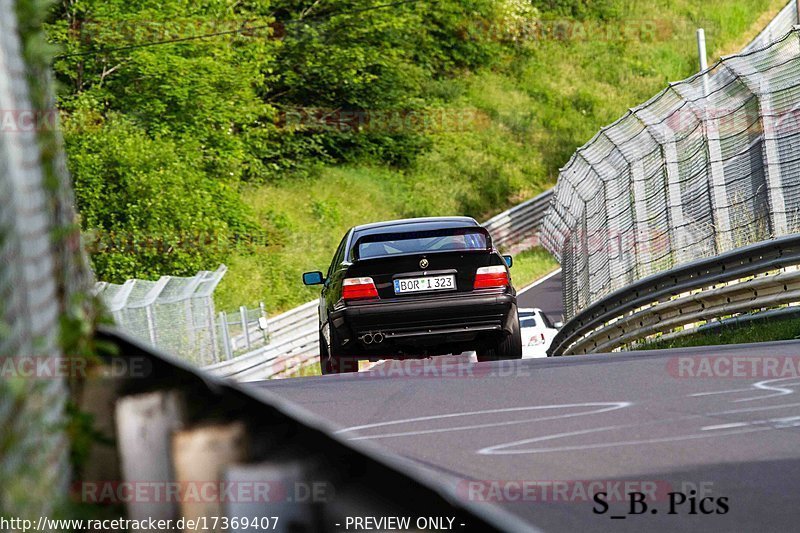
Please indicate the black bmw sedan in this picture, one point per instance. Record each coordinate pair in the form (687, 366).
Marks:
(415, 288)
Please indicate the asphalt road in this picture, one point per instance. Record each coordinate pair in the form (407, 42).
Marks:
(546, 296)
(532, 435)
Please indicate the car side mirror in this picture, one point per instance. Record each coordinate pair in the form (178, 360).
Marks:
(558, 325)
(313, 278)
(509, 260)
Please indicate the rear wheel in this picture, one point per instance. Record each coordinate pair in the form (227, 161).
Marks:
(325, 365)
(334, 365)
(509, 347)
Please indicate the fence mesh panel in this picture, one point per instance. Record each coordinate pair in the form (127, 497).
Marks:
(708, 165)
(174, 313)
(41, 271)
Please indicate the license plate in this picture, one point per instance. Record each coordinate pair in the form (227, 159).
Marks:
(428, 283)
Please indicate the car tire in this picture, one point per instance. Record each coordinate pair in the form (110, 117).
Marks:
(334, 365)
(325, 363)
(509, 347)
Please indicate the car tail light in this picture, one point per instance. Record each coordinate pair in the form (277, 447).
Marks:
(493, 276)
(536, 340)
(359, 289)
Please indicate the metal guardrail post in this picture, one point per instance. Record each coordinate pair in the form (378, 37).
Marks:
(212, 330)
(771, 155)
(264, 319)
(226, 336)
(641, 216)
(245, 328)
(770, 123)
(151, 324)
(717, 186)
(702, 55)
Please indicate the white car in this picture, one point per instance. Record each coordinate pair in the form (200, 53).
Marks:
(537, 332)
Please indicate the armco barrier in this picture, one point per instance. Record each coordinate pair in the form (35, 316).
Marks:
(519, 223)
(752, 278)
(275, 359)
(263, 457)
(294, 343)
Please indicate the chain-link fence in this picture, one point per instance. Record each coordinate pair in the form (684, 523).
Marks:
(177, 315)
(174, 313)
(41, 273)
(708, 165)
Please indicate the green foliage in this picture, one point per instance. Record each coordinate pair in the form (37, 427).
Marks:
(758, 330)
(348, 57)
(202, 90)
(160, 137)
(202, 137)
(580, 9)
(147, 201)
(531, 265)
(526, 115)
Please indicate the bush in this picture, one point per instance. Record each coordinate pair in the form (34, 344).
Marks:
(161, 137)
(149, 206)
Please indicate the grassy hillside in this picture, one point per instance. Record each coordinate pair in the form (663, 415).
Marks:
(255, 133)
(526, 113)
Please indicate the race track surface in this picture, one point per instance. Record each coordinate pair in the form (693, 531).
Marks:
(546, 296)
(541, 437)
(532, 435)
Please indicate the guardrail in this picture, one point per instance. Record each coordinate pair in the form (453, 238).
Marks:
(752, 278)
(519, 223)
(173, 425)
(294, 343)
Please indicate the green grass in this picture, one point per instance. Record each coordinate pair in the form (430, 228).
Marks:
(540, 105)
(309, 218)
(757, 331)
(531, 265)
(311, 370)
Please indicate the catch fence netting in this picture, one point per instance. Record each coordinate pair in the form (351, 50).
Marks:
(710, 164)
(43, 274)
(173, 313)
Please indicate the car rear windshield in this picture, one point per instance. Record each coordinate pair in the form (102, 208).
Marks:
(389, 244)
(527, 321)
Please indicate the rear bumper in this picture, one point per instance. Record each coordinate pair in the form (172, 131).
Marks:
(445, 319)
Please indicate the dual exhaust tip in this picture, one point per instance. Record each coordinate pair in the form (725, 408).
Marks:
(372, 338)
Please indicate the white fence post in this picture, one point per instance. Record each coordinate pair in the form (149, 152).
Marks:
(226, 336)
(151, 324)
(263, 320)
(245, 329)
